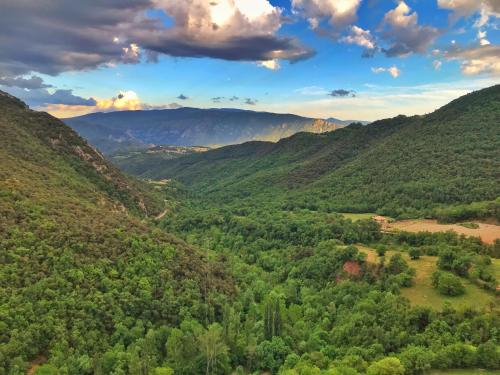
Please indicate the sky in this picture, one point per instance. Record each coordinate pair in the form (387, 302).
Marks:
(349, 59)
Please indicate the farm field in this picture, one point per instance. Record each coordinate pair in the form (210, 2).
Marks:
(487, 232)
(424, 294)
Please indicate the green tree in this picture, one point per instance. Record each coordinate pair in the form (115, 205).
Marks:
(386, 366)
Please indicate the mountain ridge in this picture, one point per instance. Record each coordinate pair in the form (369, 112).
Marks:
(119, 131)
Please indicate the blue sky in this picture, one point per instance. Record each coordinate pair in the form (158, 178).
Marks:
(302, 57)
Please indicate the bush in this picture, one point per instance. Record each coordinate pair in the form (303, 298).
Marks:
(447, 284)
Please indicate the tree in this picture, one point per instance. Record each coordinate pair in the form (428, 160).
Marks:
(271, 354)
(415, 253)
(214, 350)
(272, 317)
(386, 366)
(447, 284)
(381, 250)
(416, 360)
(488, 355)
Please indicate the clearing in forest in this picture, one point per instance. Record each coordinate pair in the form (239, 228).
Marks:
(424, 294)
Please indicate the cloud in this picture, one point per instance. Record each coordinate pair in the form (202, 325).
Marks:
(59, 36)
(182, 97)
(467, 8)
(481, 36)
(250, 101)
(338, 13)
(123, 101)
(342, 93)
(217, 99)
(404, 34)
(437, 64)
(393, 71)
(273, 64)
(223, 29)
(234, 98)
(31, 83)
(362, 38)
(481, 59)
(41, 97)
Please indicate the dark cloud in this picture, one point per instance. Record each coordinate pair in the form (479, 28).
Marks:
(217, 99)
(253, 48)
(234, 98)
(342, 93)
(250, 101)
(182, 97)
(33, 82)
(58, 35)
(42, 97)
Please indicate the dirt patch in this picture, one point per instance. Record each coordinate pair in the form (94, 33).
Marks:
(487, 232)
(35, 364)
(352, 268)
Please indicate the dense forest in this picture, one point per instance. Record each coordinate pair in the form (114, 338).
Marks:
(242, 267)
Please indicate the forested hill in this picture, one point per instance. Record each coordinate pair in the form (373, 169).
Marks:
(78, 262)
(128, 130)
(400, 166)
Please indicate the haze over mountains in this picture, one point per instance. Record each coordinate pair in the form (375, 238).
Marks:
(118, 131)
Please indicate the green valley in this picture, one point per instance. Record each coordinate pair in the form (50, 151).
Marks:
(260, 258)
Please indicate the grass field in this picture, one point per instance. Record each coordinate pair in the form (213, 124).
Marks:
(424, 294)
(356, 217)
(466, 372)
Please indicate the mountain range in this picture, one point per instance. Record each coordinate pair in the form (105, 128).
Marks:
(128, 130)
(404, 166)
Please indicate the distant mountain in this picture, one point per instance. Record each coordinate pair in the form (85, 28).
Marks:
(346, 122)
(128, 130)
(403, 166)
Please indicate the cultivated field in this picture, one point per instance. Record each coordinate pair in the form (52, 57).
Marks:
(487, 232)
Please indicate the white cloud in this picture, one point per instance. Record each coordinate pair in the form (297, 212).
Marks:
(481, 36)
(360, 37)
(404, 33)
(477, 60)
(273, 64)
(393, 71)
(437, 64)
(466, 8)
(338, 13)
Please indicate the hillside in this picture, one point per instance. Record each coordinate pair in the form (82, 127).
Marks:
(120, 131)
(135, 161)
(75, 247)
(402, 166)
